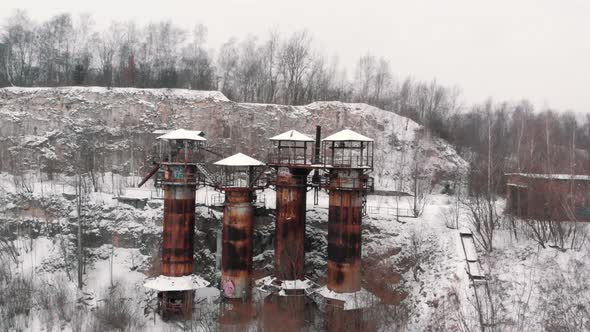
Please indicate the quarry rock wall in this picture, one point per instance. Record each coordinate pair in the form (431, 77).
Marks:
(110, 130)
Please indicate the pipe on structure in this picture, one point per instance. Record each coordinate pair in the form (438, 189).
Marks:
(291, 188)
(178, 234)
(315, 179)
(237, 233)
(344, 230)
(318, 142)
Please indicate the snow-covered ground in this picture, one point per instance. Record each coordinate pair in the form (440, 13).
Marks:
(424, 254)
(74, 91)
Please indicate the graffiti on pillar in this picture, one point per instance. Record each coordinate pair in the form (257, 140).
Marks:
(228, 288)
(178, 172)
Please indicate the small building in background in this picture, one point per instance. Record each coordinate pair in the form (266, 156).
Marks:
(558, 197)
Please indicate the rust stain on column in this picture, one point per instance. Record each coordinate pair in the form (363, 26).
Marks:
(178, 235)
(344, 231)
(179, 222)
(338, 319)
(284, 313)
(290, 223)
(236, 260)
(236, 315)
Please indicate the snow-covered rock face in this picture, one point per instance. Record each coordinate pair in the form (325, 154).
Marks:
(53, 123)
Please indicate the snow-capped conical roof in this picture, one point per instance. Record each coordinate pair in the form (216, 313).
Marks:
(161, 131)
(183, 134)
(239, 159)
(292, 135)
(348, 135)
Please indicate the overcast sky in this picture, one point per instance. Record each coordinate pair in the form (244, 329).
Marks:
(505, 49)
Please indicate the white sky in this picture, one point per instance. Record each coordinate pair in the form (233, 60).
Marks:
(505, 49)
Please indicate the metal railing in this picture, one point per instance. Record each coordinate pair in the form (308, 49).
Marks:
(285, 158)
(219, 200)
(259, 200)
(366, 183)
(348, 161)
(159, 178)
(370, 184)
(390, 211)
(243, 181)
(195, 152)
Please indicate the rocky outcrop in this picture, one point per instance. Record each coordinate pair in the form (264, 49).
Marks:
(110, 129)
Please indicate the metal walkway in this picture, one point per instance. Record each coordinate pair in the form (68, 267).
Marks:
(209, 177)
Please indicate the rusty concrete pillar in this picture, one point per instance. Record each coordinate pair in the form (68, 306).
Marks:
(291, 189)
(237, 233)
(178, 237)
(236, 315)
(338, 319)
(344, 230)
(237, 311)
(178, 234)
(284, 313)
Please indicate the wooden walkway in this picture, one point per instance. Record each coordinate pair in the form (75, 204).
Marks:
(478, 280)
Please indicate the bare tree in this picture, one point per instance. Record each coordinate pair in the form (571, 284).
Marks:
(420, 180)
(271, 49)
(79, 217)
(294, 63)
(16, 303)
(106, 48)
(565, 304)
(227, 62)
(19, 56)
(249, 72)
(196, 67)
(383, 82)
(82, 191)
(365, 77)
(416, 253)
(452, 214)
(116, 312)
(483, 219)
(55, 49)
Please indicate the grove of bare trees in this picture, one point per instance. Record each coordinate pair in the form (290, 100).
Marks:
(69, 50)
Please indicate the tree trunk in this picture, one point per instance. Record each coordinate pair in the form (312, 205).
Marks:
(79, 206)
